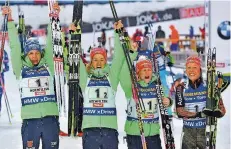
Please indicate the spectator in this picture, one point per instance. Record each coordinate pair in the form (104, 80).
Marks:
(137, 33)
(160, 33)
(146, 31)
(174, 38)
(103, 36)
(202, 30)
(191, 32)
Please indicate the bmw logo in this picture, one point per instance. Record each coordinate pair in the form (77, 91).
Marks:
(223, 30)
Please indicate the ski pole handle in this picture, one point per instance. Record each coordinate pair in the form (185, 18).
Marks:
(220, 79)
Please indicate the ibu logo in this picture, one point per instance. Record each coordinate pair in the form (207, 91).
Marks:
(223, 30)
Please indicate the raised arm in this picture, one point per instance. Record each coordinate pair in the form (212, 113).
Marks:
(117, 63)
(83, 75)
(125, 77)
(15, 47)
(119, 56)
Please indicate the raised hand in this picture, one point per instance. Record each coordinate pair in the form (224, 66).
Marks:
(166, 101)
(118, 25)
(72, 27)
(7, 11)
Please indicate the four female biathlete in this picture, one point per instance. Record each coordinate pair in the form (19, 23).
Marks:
(34, 68)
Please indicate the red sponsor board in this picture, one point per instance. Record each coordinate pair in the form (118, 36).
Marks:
(192, 12)
(40, 2)
(220, 65)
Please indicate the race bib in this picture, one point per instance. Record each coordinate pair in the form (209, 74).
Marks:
(38, 82)
(150, 109)
(150, 106)
(98, 93)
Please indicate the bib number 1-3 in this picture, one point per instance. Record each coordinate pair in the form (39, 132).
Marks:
(150, 108)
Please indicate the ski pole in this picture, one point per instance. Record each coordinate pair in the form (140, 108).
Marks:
(9, 113)
(165, 120)
(196, 109)
(133, 77)
(4, 30)
(5, 95)
(171, 74)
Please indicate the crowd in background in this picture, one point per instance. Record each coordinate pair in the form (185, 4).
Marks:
(175, 41)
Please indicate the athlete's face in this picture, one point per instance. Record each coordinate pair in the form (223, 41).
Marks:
(34, 56)
(145, 74)
(193, 71)
(98, 61)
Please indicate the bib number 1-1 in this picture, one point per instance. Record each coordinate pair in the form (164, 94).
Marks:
(38, 82)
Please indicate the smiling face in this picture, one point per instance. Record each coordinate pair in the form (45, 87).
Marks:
(34, 56)
(98, 61)
(193, 71)
(145, 75)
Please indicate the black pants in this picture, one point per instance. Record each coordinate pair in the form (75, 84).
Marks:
(46, 129)
(134, 142)
(193, 138)
(100, 138)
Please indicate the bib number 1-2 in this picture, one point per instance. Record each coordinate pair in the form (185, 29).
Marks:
(98, 93)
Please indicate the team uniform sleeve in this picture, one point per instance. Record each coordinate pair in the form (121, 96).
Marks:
(117, 62)
(83, 75)
(48, 52)
(180, 104)
(125, 77)
(15, 47)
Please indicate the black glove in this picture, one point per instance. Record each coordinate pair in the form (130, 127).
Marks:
(217, 113)
(167, 53)
(125, 34)
(207, 112)
(200, 115)
(170, 64)
(89, 49)
(66, 42)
